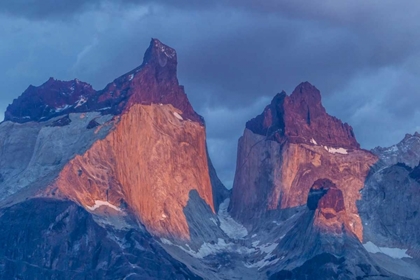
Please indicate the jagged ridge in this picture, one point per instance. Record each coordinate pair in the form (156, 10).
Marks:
(301, 118)
(154, 81)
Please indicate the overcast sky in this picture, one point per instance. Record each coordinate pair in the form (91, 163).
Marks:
(364, 56)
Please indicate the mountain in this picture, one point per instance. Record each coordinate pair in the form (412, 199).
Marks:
(289, 146)
(406, 151)
(304, 171)
(118, 184)
(128, 157)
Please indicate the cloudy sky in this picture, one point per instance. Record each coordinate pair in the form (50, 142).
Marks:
(234, 56)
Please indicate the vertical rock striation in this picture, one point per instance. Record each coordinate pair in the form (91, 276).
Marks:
(152, 156)
(292, 144)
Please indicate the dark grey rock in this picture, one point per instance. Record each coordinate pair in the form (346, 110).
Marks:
(51, 239)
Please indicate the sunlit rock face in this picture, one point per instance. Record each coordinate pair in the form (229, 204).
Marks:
(293, 143)
(115, 169)
(149, 162)
(321, 244)
(324, 194)
(122, 175)
(136, 146)
(328, 203)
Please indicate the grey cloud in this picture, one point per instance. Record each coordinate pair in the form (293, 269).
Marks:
(45, 9)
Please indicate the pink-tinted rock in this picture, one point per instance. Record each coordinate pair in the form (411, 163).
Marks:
(325, 194)
(154, 156)
(287, 148)
(155, 81)
(53, 98)
(300, 118)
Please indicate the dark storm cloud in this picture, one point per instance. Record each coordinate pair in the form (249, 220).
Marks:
(62, 9)
(44, 9)
(234, 56)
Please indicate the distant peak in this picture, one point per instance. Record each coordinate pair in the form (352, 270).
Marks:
(306, 86)
(308, 92)
(278, 98)
(52, 98)
(301, 118)
(160, 53)
(409, 136)
(162, 47)
(55, 82)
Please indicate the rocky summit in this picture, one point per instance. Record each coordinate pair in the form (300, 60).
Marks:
(118, 184)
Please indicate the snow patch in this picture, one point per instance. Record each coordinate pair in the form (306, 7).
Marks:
(391, 149)
(99, 203)
(336, 151)
(208, 249)
(277, 223)
(313, 141)
(130, 77)
(131, 274)
(395, 253)
(178, 116)
(267, 248)
(268, 260)
(81, 101)
(232, 228)
(169, 53)
(166, 241)
(59, 109)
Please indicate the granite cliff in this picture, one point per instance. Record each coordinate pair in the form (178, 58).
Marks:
(293, 143)
(117, 184)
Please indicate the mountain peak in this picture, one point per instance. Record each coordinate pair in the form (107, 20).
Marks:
(154, 81)
(307, 92)
(305, 88)
(407, 151)
(301, 118)
(54, 97)
(159, 53)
